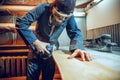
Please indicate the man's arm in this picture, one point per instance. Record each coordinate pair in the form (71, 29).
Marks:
(76, 43)
(23, 24)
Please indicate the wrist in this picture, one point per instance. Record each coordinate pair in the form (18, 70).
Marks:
(36, 42)
(75, 50)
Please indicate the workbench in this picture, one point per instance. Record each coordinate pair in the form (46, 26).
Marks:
(104, 66)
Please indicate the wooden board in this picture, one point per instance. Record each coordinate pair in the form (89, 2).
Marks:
(73, 69)
(14, 78)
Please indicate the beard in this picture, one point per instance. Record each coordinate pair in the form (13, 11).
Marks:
(56, 22)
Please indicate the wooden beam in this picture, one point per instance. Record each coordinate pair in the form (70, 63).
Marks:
(15, 8)
(82, 2)
(3, 25)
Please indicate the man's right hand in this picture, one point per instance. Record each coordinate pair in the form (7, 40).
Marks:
(41, 46)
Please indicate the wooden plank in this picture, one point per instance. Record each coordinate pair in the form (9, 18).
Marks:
(18, 67)
(13, 67)
(14, 51)
(7, 67)
(23, 67)
(73, 69)
(2, 69)
(14, 78)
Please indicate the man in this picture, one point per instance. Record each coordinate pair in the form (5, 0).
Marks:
(51, 20)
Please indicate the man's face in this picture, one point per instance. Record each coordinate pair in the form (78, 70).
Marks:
(60, 17)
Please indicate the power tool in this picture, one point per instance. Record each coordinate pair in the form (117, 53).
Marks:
(35, 51)
(43, 55)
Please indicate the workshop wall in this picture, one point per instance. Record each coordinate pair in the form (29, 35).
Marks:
(104, 18)
(107, 12)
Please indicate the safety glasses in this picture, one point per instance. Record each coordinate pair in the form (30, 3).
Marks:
(60, 15)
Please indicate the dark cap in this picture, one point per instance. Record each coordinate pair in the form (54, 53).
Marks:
(65, 6)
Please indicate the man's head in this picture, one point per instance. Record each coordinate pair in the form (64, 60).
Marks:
(65, 6)
(62, 10)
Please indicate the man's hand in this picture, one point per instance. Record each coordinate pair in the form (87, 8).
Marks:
(82, 53)
(41, 46)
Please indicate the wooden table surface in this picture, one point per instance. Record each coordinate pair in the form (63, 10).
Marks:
(104, 66)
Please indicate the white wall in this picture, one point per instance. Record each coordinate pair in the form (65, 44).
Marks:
(107, 12)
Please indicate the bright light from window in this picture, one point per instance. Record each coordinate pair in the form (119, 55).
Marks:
(96, 1)
(79, 13)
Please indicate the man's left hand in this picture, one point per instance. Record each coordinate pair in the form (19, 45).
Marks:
(82, 53)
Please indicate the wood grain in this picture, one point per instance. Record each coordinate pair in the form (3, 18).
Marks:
(73, 69)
